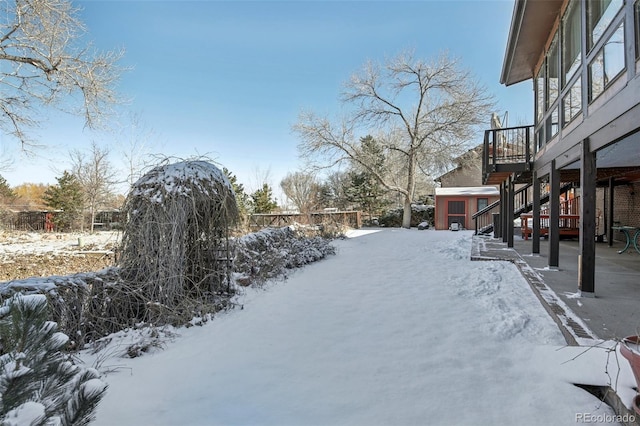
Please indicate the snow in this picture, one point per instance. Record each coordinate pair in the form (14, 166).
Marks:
(92, 387)
(25, 414)
(178, 178)
(25, 243)
(468, 190)
(398, 328)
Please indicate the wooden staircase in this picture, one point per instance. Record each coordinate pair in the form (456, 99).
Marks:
(523, 203)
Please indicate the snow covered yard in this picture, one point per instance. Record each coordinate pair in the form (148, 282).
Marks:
(37, 254)
(398, 328)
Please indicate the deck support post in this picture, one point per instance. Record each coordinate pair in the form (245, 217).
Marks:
(554, 216)
(535, 236)
(510, 207)
(587, 250)
(609, 215)
(504, 196)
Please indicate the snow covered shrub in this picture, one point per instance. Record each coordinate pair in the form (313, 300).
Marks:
(175, 243)
(419, 213)
(39, 384)
(270, 252)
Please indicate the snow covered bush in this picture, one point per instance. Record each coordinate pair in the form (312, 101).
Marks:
(39, 384)
(175, 252)
(419, 213)
(269, 253)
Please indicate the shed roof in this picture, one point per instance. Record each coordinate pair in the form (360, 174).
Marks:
(468, 190)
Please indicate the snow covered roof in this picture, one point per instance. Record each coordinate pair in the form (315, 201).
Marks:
(468, 190)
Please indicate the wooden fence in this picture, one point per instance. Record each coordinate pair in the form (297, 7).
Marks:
(37, 220)
(351, 219)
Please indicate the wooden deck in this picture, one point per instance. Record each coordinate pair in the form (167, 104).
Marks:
(568, 227)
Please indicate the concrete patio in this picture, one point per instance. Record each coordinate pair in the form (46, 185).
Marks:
(613, 313)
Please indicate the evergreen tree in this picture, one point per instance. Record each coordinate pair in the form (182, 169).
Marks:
(6, 193)
(67, 197)
(262, 200)
(366, 192)
(242, 199)
(39, 384)
(363, 187)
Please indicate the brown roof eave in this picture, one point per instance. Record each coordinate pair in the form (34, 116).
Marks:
(531, 25)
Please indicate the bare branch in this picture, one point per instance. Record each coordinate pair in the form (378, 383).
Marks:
(425, 113)
(43, 65)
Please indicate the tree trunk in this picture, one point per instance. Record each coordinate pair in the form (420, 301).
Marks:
(411, 185)
(93, 218)
(406, 215)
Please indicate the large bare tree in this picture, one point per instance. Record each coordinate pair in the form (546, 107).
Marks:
(44, 62)
(96, 176)
(302, 189)
(422, 113)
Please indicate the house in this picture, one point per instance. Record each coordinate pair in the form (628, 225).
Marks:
(463, 184)
(582, 58)
(467, 171)
(459, 204)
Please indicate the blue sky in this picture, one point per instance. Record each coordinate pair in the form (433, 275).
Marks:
(228, 79)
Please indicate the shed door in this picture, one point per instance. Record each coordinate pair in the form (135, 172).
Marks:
(456, 212)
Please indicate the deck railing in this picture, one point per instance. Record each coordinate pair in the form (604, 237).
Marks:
(512, 145)
(523, 203)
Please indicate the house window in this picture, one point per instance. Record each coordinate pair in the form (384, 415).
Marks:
(572, 102)
(614, 55)
(608, 63)
(552, 124)
(596, 76)
(571, 40)
(540, 137)
(553, 72)
(600, 13)
(540, 105)
(482, 203)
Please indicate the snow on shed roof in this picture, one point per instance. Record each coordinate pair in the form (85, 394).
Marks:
(468, 190)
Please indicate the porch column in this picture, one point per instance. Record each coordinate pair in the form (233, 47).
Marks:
(587, 251)
(510, 205)
(609, 215)
(554, 216)
(497, 226)
(535, 236)
(504, 204)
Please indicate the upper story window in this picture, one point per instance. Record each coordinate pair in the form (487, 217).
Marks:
(553, 72)
(540, 101)
(600, 13)
(571, 40)
(572, 102)
(608, 63)
(553, 123)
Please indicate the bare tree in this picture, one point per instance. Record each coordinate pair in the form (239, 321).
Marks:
(42, 63)
(302, 189)
(423, 113)
(96, 175)
(136, 143)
